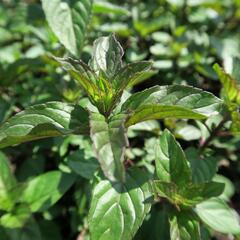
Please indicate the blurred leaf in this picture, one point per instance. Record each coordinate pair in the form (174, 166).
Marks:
(219, 216)
(109, 8)
(45, 190)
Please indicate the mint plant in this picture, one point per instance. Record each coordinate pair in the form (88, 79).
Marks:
(122, 195)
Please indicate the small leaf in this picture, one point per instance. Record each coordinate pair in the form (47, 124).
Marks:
(171, 163)
(174, 101)
(46, 189)
(107, 56)
(118, 209)
(129, 74)
(110, 141)
(44, 120)
(219, 216)
(184, 226)
(230, 85)
(189, 194)
(68, 20)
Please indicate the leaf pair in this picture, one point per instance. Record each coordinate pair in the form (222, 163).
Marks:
(175, 177)
(105, 78)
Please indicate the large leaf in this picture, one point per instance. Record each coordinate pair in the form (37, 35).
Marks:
(118, 209)
(184, 226)
(44, 120)
(174, 101)
(7, 184)
(68, 20)
(219, 216)
(171, 163)
(107, 56)
(109, 140)
(46, 189)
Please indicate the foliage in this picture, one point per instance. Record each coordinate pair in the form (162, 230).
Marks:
(101, 144)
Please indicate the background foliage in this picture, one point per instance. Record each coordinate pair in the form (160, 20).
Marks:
(183, 38)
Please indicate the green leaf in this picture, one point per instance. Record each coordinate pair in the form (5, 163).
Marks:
(174, 101)
(81, 164)
(129, 74)
(219, 216)
(68, 20)
(203, 168)
(109, 8)
(46, 189)
(171, 163)
(189, 194)
(107, 56)
(17, 218)
(230, 85)
(44, 120)
(29, 231)
(118, 209)
(184, 226)
(7, 183)
(110, 141)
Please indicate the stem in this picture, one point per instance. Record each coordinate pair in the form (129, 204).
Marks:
(213, 134)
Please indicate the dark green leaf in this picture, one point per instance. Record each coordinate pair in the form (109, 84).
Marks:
(170, 101)
(68, 20)
(171, 163)
(81, 164)
(109, 140)
(44, 120)
(203, 168)
(118, 209)
(46, 189)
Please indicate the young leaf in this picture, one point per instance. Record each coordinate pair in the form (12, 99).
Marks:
(171, 163)
(7, 183)
(174, 101)
(46, 189)
(184, 226)
(118, 209)
(219, 216)
(110, 142)
(230, 85)
(68, 20)
(128, 74)
(107, 56)
(44, 120)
